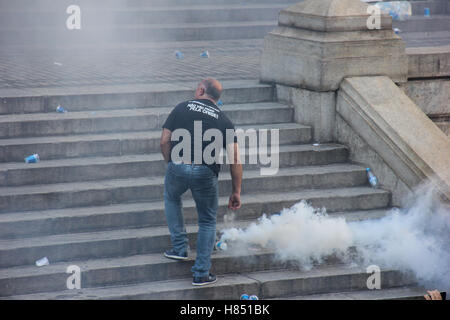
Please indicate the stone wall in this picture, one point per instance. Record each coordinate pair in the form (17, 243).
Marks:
(429, 82)
(433, 97)
(362, 153)
(312, 108)
(320, 46)
(385, 129)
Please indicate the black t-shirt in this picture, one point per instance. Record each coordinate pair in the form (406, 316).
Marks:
(187, 113)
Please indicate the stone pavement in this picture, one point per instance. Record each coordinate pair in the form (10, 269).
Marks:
(40, 67)
(31, 67)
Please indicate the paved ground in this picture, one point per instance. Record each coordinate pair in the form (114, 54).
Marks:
(41, 67)
(30, 67)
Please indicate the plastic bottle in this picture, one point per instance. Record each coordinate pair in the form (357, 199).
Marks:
(60, 109)
(245, 297)
(426, 12)
(398, 10)
(32, 159)
(42, 262)
(179, 55)
(372, 178)
(253, 297)
(221, 245)
(204, 54)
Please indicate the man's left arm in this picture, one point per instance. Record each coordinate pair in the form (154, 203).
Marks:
(165, 144)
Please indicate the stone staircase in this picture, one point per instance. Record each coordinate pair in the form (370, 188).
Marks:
(138, 21)
(121, 21)
(95, 200)
(421, 31)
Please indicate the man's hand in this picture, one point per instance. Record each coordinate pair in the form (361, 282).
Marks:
(235, 201)
(236, 176)
(433, 295)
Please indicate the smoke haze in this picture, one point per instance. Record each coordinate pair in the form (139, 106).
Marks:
(413, 239)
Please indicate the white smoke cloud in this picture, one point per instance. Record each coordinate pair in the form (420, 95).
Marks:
(415, 238)
(299, 233)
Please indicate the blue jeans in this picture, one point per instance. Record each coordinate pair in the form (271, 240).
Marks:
(202, 182)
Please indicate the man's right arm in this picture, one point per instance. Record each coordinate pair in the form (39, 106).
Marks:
(169, 125)
(165, 144)
(236, 176)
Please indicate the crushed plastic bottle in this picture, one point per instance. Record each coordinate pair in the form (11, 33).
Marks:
(398, 10)
(42, 262)
(426, 13)
(219, 103)
(204, 54)
(60, 109)
(372, 178)
(32, 159)
(221, 245)
(397, 30)
(179, 55)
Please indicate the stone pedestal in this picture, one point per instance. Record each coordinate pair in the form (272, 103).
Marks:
(316, 45)
(313, 108)
(319, 42)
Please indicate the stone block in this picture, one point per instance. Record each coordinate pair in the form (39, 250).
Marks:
(312, 108)
(318, 43)
(329, 15)
(430, 95)
(319, 61)
(428, 62)
(362, 153)
(397, 130)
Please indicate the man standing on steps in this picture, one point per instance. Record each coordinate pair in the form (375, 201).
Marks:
(197, 174)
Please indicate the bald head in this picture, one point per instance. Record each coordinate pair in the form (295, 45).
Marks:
(210, 89)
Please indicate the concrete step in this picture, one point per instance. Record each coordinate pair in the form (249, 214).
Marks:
(266, 285)
(126, 96)
(400, 293)
(106, 192)
(444, 126)
(139, 33)
(128, 270)
(127, 143)
(435, 6)
(112, 144)
(124, 143)
(125, 242)
(419, 23)
(142, 268)
(50, 124)
(52, 5)
(146, 214)
(426, 38)
(110, 17)
(118, 167)
(340, 278)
